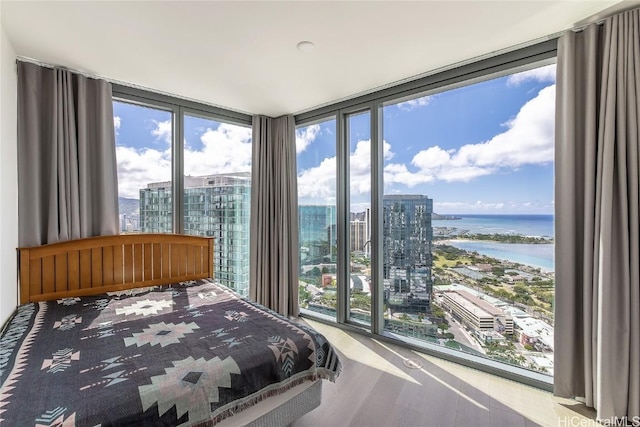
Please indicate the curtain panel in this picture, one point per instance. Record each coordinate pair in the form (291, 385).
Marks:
(274, 215)
(67, 170)
(597, 305)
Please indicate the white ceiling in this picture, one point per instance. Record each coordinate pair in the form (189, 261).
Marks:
(243, 56)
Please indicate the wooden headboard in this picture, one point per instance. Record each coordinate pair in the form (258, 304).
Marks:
(111, 263)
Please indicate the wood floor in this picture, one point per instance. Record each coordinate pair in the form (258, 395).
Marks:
(375, 388)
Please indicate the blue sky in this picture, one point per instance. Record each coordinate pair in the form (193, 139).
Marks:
(483, 148)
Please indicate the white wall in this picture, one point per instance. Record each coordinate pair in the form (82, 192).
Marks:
(8, 179)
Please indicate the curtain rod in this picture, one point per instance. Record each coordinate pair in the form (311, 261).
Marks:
(617, 9)
(62, 67)
(579, 28)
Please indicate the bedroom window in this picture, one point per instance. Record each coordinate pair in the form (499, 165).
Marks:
(144, 142)
(316, 162)
(217, 193)
(358, 135)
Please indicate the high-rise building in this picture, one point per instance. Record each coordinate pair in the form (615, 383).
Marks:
(360, 232)
(367, 220)
(407, 254)
(155, 208)
(359, 236)
(318, 243)
(215, 206)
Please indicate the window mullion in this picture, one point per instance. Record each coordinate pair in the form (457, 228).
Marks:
(178, 170)
(375, 240)
(342, 218)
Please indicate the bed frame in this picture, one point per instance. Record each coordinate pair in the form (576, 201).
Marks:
(97, 265)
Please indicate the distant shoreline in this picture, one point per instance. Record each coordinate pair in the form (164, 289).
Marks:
(479, 215)
(438, 217)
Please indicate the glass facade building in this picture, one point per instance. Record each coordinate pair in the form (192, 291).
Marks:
(155, 208)
(407, 251)
(214, 206)
(317, 225)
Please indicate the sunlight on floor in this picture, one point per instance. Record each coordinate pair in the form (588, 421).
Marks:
(443, 383)
(356, 351)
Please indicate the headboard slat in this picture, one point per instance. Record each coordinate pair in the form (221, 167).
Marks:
(107, 265)
(96, 267)
(190, 260)
(198, 260)
(175, 261)
(157, 260)
(48, 274)
(128, 263)
(148, 261)
(111, 263)
(118, 265)
(73, 270)
(166, 263)
(35, 276)
(62, 268)
(137, 263)
(85, 268)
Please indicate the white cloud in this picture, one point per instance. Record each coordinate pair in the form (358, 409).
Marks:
(319, 183)
(397, 173)
(116, 122)
(305, 136)
(163, 131)
(546, 74)
(414, 103)
(137, 168)
(527, 140)
(225, 149)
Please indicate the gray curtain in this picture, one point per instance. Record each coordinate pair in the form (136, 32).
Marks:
(274, 215)
(597, 307)
(67, 170)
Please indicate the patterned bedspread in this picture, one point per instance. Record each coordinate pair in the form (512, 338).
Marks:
(191, 354)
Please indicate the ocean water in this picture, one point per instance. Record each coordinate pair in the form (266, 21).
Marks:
(526, 225)
(540, 256)
(535, 255)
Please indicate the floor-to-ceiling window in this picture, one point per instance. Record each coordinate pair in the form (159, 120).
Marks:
(447, 184)
(217, 193)
(186, 168)
(358, 139)
(317, 171)
(468, 218)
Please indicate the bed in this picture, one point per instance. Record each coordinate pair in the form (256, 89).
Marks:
(132, 330)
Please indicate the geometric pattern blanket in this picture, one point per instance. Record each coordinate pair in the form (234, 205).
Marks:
(190, 354)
